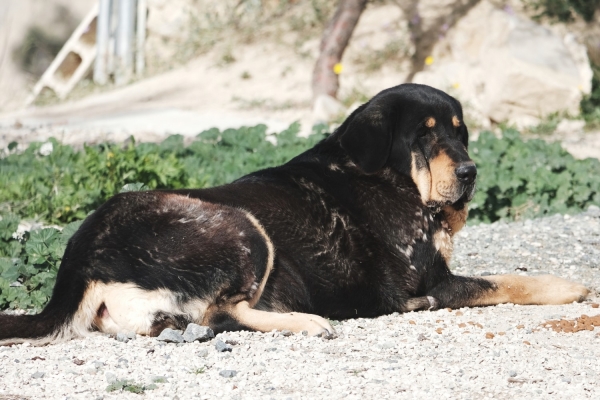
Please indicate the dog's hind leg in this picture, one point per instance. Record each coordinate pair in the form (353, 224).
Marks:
(458, 291)
(242, 316)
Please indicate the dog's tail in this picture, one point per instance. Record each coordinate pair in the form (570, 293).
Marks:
(62, 319)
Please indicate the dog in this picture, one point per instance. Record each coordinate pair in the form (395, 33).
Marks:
(361, 225)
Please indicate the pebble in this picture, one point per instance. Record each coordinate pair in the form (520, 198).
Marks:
(125, 337)
(110, 377)
(202, 353)
(38, 374)
(195, 332)
(228, 373)
(170, 336)
(221, 346)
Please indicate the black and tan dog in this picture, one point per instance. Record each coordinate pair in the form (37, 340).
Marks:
(359, 226)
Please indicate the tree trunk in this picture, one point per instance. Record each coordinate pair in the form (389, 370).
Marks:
(335, 38)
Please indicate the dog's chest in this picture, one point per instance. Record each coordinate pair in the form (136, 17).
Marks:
(422, 233)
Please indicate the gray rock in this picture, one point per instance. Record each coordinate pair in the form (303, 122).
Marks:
(228, 373)
(222, 346)
(110, 377)
(38, 374)
(593, 211)
(91, 370)
(202, 353)
(170, 336)
(125, 337)
(195, 332)
(512, 373)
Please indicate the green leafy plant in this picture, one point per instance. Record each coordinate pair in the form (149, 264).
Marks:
(129, 386)
(29, 263)
(525, 179)
(590, 104)
(565, 10)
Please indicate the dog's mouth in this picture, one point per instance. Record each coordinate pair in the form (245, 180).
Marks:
(435, 206)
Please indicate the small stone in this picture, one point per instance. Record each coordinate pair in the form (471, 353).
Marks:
(304, 333)
(221, 346)
(595, 305)
(170, 336)
(90, 370)
(38, 374)
(286, 333)
(594, 211)
(110, 377)
(195, 332)
(489, 335)
(202, 353)
(122, 337)
(566, 379)
(98, 364)
(228, 373)
(512, 373)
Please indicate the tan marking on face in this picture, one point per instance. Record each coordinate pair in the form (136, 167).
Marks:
(456, 219)
(443, 243)
(421, 176)
(455, 121)
(443, 179)
(544, 289)
(270, 258)
(430, 123)
(266, 321)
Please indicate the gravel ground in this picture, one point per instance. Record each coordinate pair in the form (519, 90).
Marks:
(497, 352)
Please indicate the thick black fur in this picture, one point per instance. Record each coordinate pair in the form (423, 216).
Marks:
(352, 235)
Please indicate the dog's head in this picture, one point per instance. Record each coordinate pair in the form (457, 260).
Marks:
(418, 131)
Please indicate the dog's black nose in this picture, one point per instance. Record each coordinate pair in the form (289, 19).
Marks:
(466, 172)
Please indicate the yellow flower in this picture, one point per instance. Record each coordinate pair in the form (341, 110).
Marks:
(337, 68)
(429, 60)
(67, 209)
(110, 154)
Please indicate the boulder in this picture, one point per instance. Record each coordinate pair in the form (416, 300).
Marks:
(505, 67)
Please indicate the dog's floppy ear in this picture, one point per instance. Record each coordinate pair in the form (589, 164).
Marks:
(367, 138)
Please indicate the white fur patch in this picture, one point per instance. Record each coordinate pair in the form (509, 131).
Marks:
(131, 309)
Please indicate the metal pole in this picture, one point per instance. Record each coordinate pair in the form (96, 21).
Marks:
(140, 59)
(102, 37)
(124, 67)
